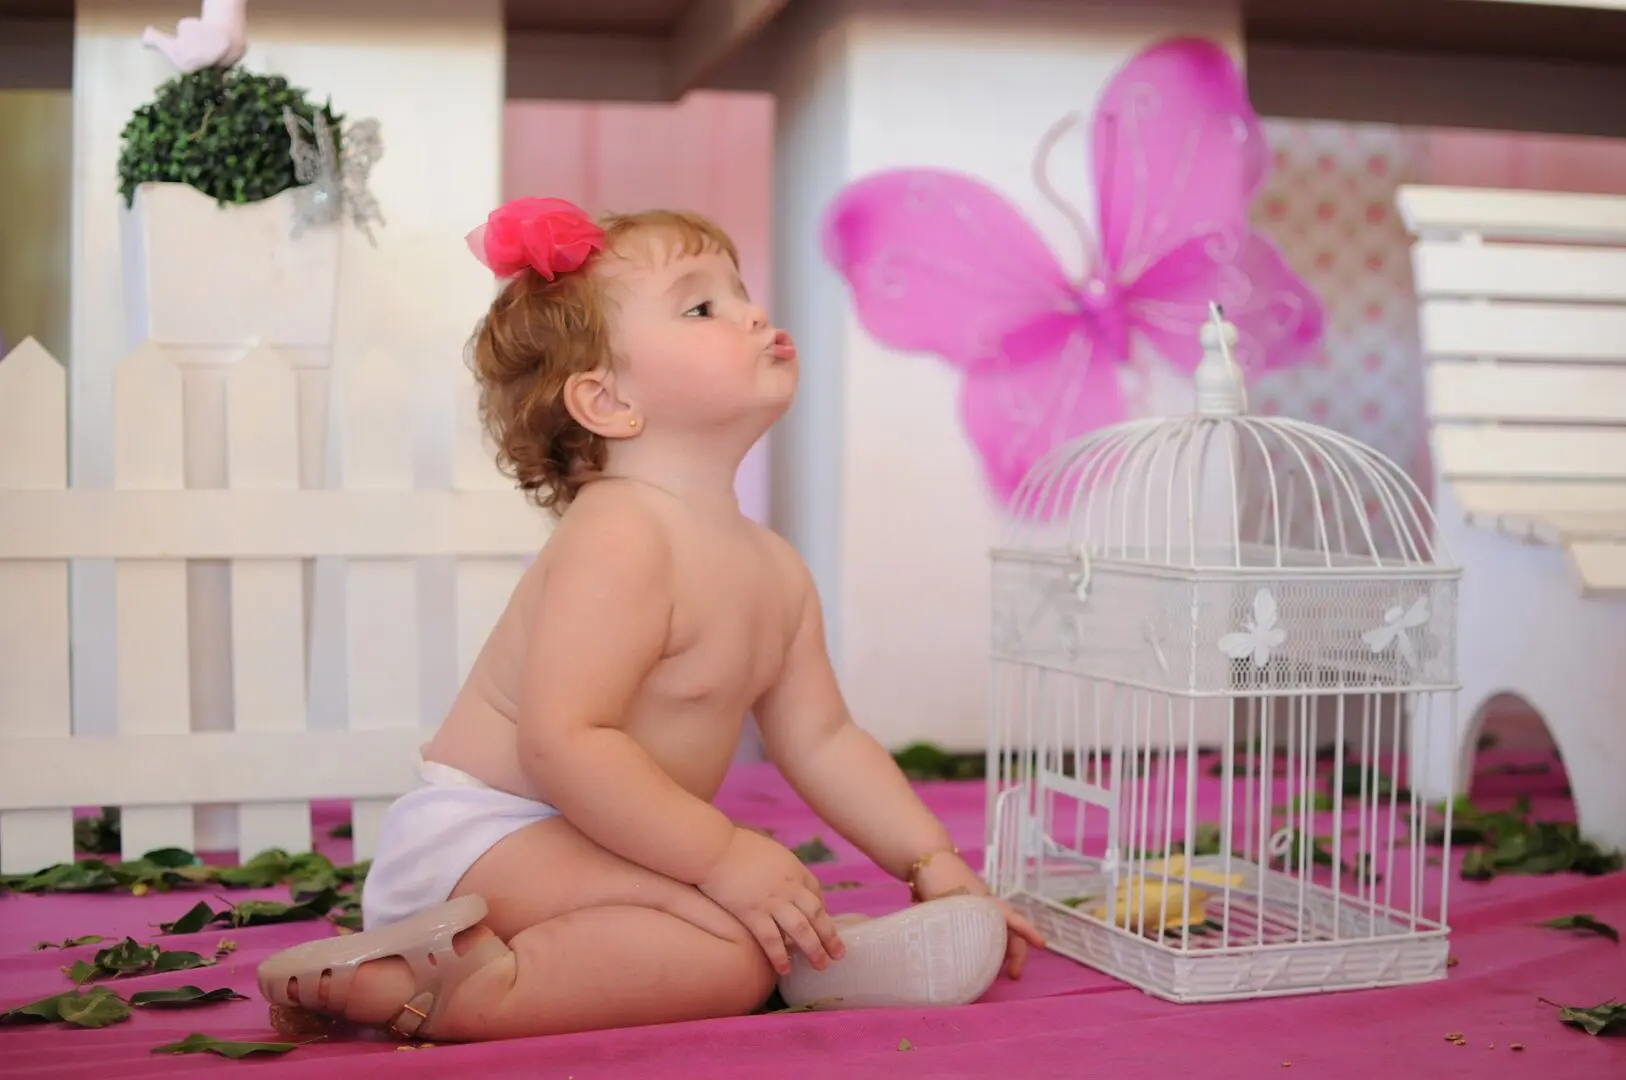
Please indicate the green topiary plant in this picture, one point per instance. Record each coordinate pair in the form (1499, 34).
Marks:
(220, 130)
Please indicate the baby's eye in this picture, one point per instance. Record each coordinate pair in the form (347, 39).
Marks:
(704, 308)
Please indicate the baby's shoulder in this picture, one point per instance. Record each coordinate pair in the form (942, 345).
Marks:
(610, 527)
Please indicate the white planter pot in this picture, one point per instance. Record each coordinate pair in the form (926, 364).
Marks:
(199, 275)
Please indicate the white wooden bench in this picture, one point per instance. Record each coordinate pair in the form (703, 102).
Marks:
(1522, 308)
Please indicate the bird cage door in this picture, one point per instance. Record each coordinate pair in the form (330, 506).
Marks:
(1057, 828)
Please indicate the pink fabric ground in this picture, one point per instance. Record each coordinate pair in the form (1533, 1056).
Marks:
(1060, 1020)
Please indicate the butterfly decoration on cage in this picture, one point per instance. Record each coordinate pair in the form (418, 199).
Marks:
(333, 173)
(938, 262)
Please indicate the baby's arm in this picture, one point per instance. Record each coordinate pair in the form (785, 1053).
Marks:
(598, 626)
(842, 772)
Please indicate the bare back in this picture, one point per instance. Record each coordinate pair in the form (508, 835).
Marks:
(737, 591)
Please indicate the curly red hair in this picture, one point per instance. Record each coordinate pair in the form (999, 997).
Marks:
(536, 335)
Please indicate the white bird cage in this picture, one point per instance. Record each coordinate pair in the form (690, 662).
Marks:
(1221, 644)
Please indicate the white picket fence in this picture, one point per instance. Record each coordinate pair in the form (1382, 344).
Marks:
(159, 761)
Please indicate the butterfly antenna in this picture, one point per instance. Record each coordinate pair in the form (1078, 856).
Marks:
(1041, 180)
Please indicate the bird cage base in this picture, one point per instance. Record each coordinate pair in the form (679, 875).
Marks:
(1336, 943)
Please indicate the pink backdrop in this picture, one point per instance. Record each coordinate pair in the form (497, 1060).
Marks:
(712, 153)
(1329, 202)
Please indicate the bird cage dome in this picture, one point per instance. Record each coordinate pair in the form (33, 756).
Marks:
(1223, 645)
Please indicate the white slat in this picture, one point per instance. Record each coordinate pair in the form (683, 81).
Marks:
(202, 767)
(1570, 332)
(267, 595)
(1497, 214)
(381, 609)
(1533, 453)
(1551, 393)
(1445, 268)
(34, 687)
(1601, 566)
(483, 586)
(85, 524)
(1492, 497)
(154, 681)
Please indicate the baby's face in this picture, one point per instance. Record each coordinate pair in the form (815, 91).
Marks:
(691, 346)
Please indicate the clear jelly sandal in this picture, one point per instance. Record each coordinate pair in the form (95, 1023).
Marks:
(939, 953)
(424, 941)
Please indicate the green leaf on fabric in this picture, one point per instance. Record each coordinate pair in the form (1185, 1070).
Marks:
(262, 912)
(905, 1044)
(1357, 780)
(813, 851)
(1585, 924)
(1510, 842)
(197, 917)
(44, 1011)
(927, 761)
(130, 957)
(97, 1007)
(265, 912)
(1606, 1019)
(342, 831)
(70, 943)
(99, 835)
(199, 1043)
(183, 997)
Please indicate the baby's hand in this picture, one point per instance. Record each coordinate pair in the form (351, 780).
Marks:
(762, 884)
(947, 875)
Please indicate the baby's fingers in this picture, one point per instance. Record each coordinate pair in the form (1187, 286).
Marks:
(800, 930)
(766, 931)
(1016, 956)
(812, 905)
(1021, 927)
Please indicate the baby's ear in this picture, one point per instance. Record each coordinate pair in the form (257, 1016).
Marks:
(593, 403)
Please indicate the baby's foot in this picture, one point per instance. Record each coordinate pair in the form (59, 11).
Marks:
(375, 995)
(945, 952)
(402, 975)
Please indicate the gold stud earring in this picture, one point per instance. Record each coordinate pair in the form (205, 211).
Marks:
(632, 421)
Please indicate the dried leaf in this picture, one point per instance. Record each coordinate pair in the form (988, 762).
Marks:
(182, 997)
(1606, 1019)
(1586, 924)
(813, 851)
(198, 1043)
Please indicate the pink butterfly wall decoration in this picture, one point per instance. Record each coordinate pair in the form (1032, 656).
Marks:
(938, 262)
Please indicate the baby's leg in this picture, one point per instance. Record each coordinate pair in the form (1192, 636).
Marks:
(594, 942)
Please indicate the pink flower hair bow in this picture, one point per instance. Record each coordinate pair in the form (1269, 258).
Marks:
(552, 236)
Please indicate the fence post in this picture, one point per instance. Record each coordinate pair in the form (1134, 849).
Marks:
(267, 595)
(377, 394)
(34, 694)
(153, 670)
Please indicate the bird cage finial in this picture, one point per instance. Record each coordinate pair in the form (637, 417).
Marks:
(1220, 390)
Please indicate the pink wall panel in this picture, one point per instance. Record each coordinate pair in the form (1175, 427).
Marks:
(711, 153)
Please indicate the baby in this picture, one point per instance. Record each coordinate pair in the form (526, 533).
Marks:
(560, 866)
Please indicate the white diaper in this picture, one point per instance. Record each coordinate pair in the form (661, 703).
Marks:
(431, 836)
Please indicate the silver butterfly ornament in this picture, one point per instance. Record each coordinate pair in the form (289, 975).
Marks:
(332, 180)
